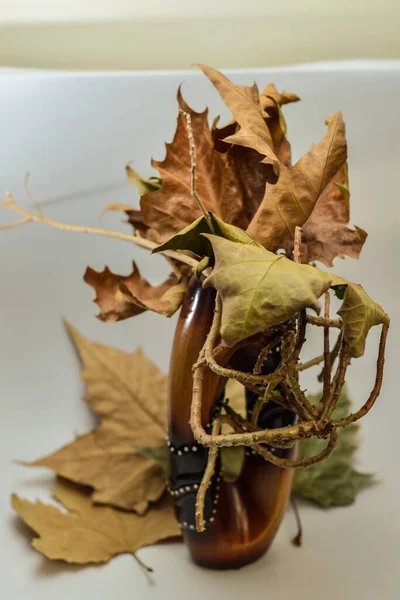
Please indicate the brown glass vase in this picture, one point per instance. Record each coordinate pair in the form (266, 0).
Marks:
(243, 517)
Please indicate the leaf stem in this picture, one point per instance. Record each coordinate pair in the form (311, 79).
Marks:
(192, 149)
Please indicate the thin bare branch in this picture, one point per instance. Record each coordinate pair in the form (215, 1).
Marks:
(15, 224)
(192, 148)
(334, 355)
(134, 239)
(206, 480)
(297, 253)
(329, 402)
(376, 389)
(317, 360)
(322, 322)
(327, 354)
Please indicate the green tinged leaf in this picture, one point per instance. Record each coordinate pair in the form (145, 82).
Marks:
(143, 185)
(333, 482)
(159, 454)
(232, 461)
(260, 289)
(191, 238)
(359, 313)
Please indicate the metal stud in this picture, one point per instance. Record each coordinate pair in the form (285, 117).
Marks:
(194, 448)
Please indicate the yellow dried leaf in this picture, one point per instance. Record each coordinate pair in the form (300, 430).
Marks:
(89, 533)
(128, 393)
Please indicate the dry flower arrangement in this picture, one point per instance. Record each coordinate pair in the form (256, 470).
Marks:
(211, 452)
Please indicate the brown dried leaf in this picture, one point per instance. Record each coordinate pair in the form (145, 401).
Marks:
(243, 102)
(291, 201)
(270, 97)
(171, 208)
(92, 534)
(122, 296)
(251, 174)
(325, 233)
(271, 101)
(128, 393)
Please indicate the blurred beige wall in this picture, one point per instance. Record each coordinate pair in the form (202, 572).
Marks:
(162, 34)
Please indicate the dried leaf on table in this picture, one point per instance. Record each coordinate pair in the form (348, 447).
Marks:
(291, 200)
(89, 533)
(122, 296)
(335, 481)
(260, 289)
(128, 393)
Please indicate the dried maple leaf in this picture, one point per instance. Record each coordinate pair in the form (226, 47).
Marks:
(260, 289)
(89, 533)
(326, 234)
(271, 101)
(244, 104)
(172, 207)
(251, 174)
(291, 200)
(128, 393)
(122, 296)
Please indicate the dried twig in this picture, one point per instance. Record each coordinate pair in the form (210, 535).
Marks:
(310, 363)
(134, 239)
(322, 322)
(297, 254)
(192, 147)
(334, 355)
(205, 482)
(327, 353)
(377, 386)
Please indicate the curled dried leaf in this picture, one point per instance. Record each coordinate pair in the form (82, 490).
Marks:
(122, 296)
(243, 102)
(359, 313)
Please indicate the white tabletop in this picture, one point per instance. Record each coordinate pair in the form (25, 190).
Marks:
(74, 133)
